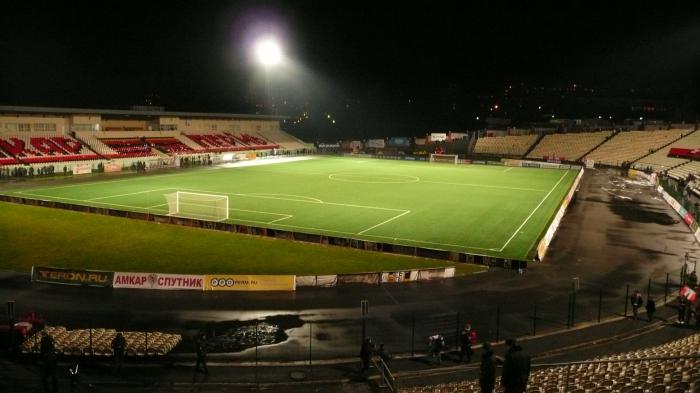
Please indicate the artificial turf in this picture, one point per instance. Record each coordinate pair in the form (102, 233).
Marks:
(488, 210)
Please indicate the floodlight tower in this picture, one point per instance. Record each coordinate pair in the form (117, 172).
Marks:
(269, 54)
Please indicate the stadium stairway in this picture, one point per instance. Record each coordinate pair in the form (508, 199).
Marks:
(531, 148)
(665, 146)
(87, 145)
(615, 132)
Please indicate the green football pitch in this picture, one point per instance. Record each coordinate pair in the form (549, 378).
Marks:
(488, 210)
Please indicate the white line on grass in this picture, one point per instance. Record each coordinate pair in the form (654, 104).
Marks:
(288, 216)
(508, 169)
(483, 186)
(533, 211)
(131, 193)
(384, 222)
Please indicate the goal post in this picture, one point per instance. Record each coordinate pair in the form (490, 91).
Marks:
(209, 207)
(449, 158)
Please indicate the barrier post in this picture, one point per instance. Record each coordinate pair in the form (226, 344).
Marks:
(457, 332)
(498, 321)
(310, 341)
(649, 289)
(573, 304)
(600, 303)
(666, 288)
(413, 336)
(534, 320)
(568, 312)
(627, 296)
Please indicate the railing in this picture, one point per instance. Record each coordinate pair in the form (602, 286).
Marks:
(386, 378)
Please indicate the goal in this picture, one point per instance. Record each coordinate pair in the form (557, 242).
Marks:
(449, 158)
(210, 207)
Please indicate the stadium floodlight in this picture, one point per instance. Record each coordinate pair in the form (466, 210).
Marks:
(268, 52)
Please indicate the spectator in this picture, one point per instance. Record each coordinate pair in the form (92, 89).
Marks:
(384, 354)
(637, 301)
(516, 368)
(651, 308)
(692, 279)
(118, 347)
(466, 339)
(436, 343)
(487, 370)
(202, 355)
(48, 357)
(366, 353)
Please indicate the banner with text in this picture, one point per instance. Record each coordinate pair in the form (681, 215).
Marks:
(158, 281)
(243, 282)
(54, 275)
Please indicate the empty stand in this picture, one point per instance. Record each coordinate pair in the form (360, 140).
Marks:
(42, 148)
(217, 142)
(169, 145)
(510, 145)
(631, 145)
(639, 371)
(284, 139)
(569, 147)
(123, 148)
(660, 160)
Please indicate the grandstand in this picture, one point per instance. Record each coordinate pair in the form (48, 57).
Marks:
(568, 147)
(510, 145)
(43, 147)
(628, 146)
(655, 370)
(659, 160)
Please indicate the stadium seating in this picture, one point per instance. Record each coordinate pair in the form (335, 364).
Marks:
(123, 148)
(77, 342)
(631, 145)
(169, 145)
(511, 145)
(42, 148)
(569, 147)
(660, 160)
(285, 140)
(256, 142)
(217, 142)
(640, 376)
(684, 170)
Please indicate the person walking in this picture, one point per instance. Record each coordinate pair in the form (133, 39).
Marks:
(637, 301)
(118, 348)
(366, 353)
(48, 357)
(516, 368)
(436, 344)
(202, 355)
(651, 308)
(487, 369)
(466, 339)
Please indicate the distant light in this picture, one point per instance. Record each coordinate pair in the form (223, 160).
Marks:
(328, 116)
(333, 121)
(610, 117)
(268, 52)
(552, 116)
(600, 117)
(477, 118)
(539, 107)
(641, 118)
(495, 106)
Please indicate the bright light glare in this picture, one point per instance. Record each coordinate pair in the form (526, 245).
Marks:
(268, 52)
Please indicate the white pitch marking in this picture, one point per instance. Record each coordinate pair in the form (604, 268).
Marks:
(131, 193)
(272, 196)
(384, 222)
(288, 216)
(508, 169)
(483, 186)
(533, 211)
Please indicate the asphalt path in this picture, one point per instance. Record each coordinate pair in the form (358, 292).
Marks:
(616, 233)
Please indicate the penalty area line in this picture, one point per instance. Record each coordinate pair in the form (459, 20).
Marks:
(384, 222)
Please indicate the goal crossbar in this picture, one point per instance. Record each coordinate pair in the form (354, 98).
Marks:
(451, 158)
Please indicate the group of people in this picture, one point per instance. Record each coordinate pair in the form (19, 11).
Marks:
(516, 362)
(687, 307)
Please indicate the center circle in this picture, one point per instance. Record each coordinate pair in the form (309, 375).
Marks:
(373, 179)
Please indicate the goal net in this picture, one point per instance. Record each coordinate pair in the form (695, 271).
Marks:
(208, 207)
(449, 158)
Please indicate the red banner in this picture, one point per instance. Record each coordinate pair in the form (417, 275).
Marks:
(684, 153)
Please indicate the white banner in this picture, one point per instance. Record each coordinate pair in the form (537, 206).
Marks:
(158, 281)
(82, 169)
(378, 143)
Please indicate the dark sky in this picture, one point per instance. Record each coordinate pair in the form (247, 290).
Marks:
(389, 65)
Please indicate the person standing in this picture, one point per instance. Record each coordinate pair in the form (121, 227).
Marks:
(466, 339)
(48, 357)
(202, 355)
(651, 308)
(636, 300)
(487, 369)
(118, 347)
(516, 368)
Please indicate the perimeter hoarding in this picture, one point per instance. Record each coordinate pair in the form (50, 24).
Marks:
(54, 275)
(158, 281)
(244, 282)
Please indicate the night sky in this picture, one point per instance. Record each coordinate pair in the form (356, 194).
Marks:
(377, 69)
